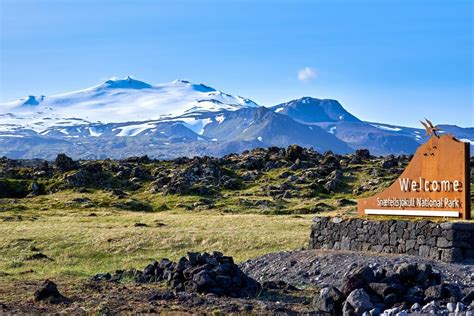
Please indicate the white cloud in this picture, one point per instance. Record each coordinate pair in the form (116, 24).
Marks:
(307, 74)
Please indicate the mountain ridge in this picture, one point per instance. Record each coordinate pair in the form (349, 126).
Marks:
(123, 116)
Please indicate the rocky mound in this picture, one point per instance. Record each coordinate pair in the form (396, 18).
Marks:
(404, 289)
(197, 273)
(322, 173)
(355, 283)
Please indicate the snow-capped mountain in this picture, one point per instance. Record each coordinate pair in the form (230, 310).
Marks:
(128, 117)
(379, 138)
(115, 101)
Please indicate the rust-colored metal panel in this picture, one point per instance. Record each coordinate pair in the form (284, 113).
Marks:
(435, 183)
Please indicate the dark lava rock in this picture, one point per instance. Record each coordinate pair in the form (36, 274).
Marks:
(358, 279)
(399, 289)
(65, 163)
(381, 289)
(197, 273)
(294, 152)
(407, 271)
(38, 256)
(345, 202)
(389, 162)
(399, 283)
(89, 174)
(359, 301)
(390, 299)
(362, 154)
(334, 181)
(469, 297)
(48, 292)
(435, 292)
(159, 224)
(140, 225)
(118, 193)
(329, 300)
(133, 205)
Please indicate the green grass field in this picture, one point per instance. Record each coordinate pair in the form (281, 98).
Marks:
(80, 242)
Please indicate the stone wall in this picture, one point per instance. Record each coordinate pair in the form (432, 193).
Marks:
(446, 241)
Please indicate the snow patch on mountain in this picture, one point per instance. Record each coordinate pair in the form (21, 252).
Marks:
(387, 127)
(204, 123)
(94, 132)
(220, 118)
(11, 135)
(133, 130)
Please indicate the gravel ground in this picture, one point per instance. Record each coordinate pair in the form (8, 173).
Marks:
(319, 268)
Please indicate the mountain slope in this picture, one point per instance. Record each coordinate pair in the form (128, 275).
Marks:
(271, 129)
(379, 141)
(116, 100)
(312, 110)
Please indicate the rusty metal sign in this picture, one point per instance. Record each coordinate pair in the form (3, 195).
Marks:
(435, 182)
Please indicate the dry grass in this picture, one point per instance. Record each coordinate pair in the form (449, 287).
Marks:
(81, 245)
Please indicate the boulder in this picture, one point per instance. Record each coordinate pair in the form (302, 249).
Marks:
(329, 300)
(347, 309)
(433, 293)
(362, 154)
(469, 297)
(390, 299)
(431, 308)
(294, 152)
(65, 163)
(49, 293)
(381, 289)
(358, 279)
(389, 162)
(414, 295)
(333, 181)
(407, 271)
(360, 301)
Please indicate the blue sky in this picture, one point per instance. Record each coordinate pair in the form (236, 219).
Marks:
(388, 61)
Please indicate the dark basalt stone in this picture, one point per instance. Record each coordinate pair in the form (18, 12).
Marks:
(358, 279)
(48, 292)
(65, 163)
(329, 300)
(407, 284)
(197, 273)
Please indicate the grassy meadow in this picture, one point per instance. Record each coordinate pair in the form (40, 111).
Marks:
(81, 241)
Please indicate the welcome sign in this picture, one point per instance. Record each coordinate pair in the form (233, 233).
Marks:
(435, 183)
